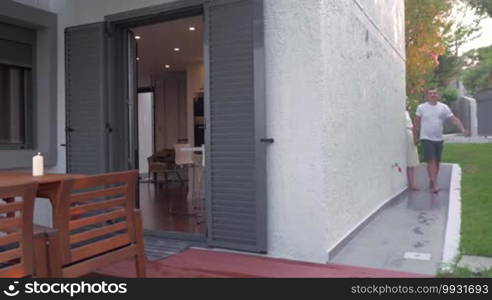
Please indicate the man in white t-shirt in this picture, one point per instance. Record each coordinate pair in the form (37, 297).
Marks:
(429, 122)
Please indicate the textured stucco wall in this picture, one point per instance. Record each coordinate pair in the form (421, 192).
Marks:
(388, 16)
(336, 92)
(294, 78)
(364, 102)
(335, 100)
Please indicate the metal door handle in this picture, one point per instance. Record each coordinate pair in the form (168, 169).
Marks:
(267, 140)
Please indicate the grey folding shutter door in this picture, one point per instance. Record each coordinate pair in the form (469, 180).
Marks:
(236, 199)
(85, 48)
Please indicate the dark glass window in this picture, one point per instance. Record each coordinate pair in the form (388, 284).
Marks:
(15, 86)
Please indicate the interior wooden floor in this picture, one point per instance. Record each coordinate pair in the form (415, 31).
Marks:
(165, 207)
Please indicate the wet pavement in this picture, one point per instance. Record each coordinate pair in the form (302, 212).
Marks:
(407, 234)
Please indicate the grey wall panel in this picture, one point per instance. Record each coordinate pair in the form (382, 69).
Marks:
(462, 110)
(484, 112)
(484, 116)
(236, 216)
(86, 99)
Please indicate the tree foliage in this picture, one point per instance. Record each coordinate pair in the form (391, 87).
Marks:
(449, 68)
(462, 30)
(435, 29)
(427, 26)
(478, 74)
(482, 6)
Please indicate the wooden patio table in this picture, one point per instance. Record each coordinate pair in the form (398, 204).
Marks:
(49, 185)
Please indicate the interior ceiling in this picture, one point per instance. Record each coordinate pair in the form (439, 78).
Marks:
(156, 45)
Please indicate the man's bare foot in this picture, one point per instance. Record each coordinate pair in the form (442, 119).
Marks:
(435, 190)
(414, 188)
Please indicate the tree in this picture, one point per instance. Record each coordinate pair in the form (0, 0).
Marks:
(482, 6)
(435, 29)
(462, 31)
(449, 68)
(427, 26)
(478, 74)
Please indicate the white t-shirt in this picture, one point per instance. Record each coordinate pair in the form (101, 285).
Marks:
(432, 120)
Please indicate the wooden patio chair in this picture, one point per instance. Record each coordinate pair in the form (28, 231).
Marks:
(97, 225)
(17, 258)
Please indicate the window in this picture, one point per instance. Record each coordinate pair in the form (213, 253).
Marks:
(15, 85)
(16, 69)
(28, 85)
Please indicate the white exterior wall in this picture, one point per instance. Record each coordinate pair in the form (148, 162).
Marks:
(335, 96)
(297, 208)
(365, 137)
(335, 75)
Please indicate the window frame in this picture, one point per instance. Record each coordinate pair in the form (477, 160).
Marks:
(28, 86)
(45, 93)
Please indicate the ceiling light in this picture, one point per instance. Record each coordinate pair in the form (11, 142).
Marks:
(176, 49)
(167, 66)
(192, 28)
(137, 37)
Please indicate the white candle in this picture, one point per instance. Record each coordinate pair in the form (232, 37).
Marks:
(38, 165)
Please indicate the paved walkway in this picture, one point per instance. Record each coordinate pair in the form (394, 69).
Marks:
(460, 139)
(407, 235)
(193, 263)
(475, 263)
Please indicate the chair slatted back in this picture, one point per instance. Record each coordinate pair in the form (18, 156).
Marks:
(96, 215)
(16, 230)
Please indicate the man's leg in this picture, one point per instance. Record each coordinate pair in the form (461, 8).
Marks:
(439, 147)
(432, 169)
(429, 158)
(438, 168)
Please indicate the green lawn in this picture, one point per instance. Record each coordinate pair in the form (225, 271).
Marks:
(476, 203)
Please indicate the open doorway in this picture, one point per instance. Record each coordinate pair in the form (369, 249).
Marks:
(236, 139)
(171, 130)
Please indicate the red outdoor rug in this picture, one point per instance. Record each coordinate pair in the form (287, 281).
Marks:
(194, 263)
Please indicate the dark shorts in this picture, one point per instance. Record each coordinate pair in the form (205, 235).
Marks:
(432, 150)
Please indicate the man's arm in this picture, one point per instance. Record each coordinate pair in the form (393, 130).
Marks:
(460, 126)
